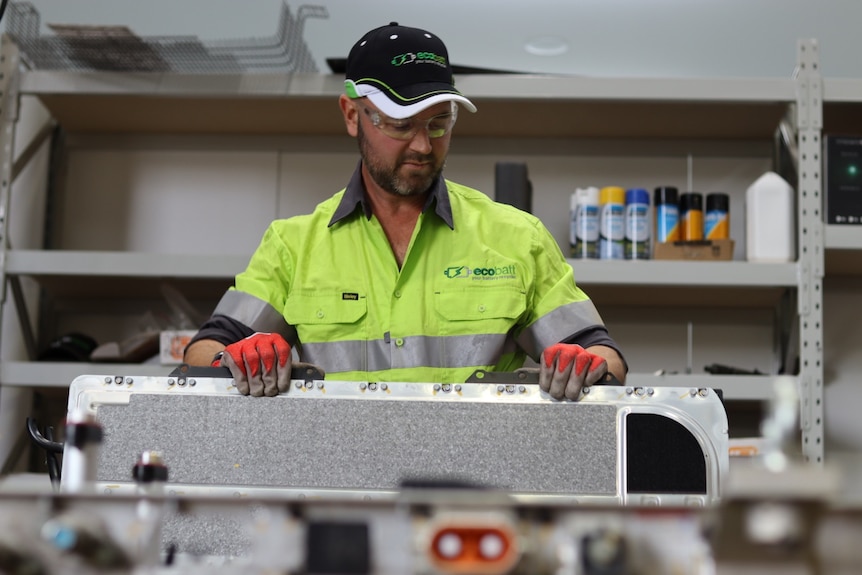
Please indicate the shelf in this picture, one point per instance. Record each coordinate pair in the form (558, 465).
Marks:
(92, 274)
(547, 106)
(841, 100)
(843, 251)
(843, 237)
(726, 284)
(61, 375)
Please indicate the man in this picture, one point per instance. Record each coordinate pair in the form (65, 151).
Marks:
(403, 275)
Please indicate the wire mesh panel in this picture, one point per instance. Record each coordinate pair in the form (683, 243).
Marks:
(119, 49)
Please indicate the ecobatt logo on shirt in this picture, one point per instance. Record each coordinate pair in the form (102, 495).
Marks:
(488, 273)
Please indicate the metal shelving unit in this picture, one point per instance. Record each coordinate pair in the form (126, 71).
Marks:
(726, 109)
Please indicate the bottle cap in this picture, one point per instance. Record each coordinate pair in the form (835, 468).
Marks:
(612, 195)
(690, 201)
(666, 195)
(637, 196)
(717, 201)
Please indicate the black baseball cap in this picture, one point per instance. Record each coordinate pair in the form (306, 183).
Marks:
(402, 70)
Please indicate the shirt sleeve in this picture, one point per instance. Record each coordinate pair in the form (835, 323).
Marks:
(222, 329)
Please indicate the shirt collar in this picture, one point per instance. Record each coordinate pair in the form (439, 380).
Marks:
(354, 194)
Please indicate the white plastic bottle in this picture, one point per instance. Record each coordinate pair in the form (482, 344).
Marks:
(770, 220)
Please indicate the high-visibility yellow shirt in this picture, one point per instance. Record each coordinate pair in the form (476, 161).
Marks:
(482, 286)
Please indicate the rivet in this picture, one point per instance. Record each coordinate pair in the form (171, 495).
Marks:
(522, 389)
(129, 381)
(447, 387)
(585, 389)
(363, 385)
(703, 391)
(171, 381)
(629, 391)
(309, 384)
(457, 388)
(181, 382)
(372, 386)
(501, 388)
(118, 380)
(384, 387)
(298, 385)
(109, 379)
(436, 387)
(319, 385)
(650, 391)
(192, 382)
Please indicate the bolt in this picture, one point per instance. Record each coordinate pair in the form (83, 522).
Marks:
(692, 392)
(298, 385)
(363, 385)
(501, 388)
(457, 388)
(522, 389)
(639, 391)
(171, 381)
(109, 379)
(650, 391)
(384, 387)
(447, 387)
(319, 385)
(436, 387)
(703, 392)
(629, 391)
(118, 380)
(129, 381)
(510, 389)
(372, 386)
(585, 389)
(193, 382)
(309, 384)
(181, 382)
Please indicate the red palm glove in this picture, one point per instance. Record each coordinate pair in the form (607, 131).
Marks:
(260, 364)
(567, 368)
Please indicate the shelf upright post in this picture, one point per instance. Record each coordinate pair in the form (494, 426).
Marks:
(8, 119)
(809, 121)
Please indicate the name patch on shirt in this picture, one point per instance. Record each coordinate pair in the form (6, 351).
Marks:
(347, 295)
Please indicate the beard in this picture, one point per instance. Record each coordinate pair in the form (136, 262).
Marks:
(390, 178)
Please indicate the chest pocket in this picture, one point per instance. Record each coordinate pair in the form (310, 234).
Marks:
(328, 315)
(500, 307)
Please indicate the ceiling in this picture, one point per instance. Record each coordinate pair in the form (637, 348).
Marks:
(661, 38)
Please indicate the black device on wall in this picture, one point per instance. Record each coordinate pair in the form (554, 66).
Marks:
(842, 158)
(512, 185)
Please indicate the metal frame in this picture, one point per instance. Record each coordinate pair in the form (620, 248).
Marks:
(809, 122)
(811, 241)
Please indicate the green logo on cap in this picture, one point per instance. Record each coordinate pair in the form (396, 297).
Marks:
(419, 58)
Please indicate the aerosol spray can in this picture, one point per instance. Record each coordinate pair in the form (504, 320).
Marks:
(612, 222)
(717, 222)
(584, 233)
(691, 216)
(637, 244)
(666, 202)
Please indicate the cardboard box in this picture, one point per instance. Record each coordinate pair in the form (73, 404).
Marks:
(702, 250)
(172, 344)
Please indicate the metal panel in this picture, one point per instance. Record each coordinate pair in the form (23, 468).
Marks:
(362, 437)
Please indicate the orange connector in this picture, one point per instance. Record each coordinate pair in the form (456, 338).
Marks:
(474, 549)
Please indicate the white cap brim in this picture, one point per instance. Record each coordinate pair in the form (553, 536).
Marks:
(393, 110)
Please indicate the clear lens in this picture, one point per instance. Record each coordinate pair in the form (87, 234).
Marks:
(406, 129)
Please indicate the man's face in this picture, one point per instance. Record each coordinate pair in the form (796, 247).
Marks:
(403, 167)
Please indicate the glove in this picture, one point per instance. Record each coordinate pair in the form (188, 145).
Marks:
(260, 364)
(567, 368)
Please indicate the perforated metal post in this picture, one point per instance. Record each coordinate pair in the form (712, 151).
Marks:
(809, 97)
(8, 118)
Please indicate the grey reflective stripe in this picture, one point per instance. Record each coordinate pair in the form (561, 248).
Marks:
(557, 325)
(255, 313)
(408, 352)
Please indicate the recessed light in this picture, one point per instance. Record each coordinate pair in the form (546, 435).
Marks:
(547, 46)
